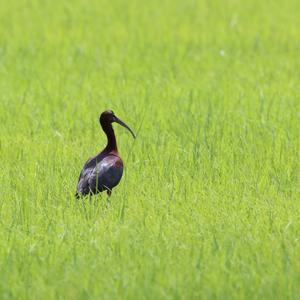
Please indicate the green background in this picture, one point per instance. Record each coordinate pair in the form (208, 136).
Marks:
(208, 206)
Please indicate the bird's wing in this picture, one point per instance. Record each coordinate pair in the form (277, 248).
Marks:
(106, 174)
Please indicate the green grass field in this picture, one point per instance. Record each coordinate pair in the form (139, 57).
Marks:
(209, 205)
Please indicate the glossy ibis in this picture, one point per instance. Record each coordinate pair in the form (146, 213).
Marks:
(103, 171)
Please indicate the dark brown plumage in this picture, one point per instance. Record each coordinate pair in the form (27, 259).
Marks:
(103, 171)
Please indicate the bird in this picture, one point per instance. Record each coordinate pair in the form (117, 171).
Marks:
(103, 171)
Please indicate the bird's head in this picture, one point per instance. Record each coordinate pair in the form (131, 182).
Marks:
(108, 117)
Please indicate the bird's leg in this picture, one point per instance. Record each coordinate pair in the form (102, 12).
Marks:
(108, 196)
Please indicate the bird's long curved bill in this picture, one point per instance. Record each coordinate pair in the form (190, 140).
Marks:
(117, 120)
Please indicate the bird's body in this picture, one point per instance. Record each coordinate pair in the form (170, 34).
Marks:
(103, 171)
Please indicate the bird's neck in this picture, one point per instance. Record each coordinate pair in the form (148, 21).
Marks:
(111, 138)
